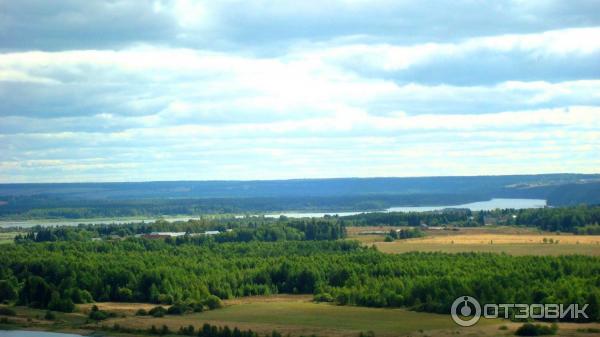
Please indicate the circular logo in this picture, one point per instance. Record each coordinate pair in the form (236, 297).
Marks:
(463, 308)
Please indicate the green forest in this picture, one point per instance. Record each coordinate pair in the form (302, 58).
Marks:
(56, 268)
(56, 275)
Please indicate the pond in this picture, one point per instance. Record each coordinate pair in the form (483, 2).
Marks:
(20, 333)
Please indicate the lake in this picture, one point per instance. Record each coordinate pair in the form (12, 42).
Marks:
(474, 206)
(19, 333)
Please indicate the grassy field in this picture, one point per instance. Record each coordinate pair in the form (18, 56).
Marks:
(509, 240)
(289, 314)
(304, 318)
(7, 237)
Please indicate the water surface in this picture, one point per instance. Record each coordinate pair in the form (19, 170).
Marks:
(487, 205)
(20, 333)
(474, 206)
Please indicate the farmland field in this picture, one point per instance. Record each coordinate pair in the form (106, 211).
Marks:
(509, 240)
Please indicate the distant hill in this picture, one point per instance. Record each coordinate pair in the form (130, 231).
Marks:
(197, 197)
(537, 185)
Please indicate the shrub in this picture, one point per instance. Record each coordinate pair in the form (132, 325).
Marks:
(529, 329)
(100, 315)
(213, 302)
(178, 309)
(50, 316)
(324, 297)
(141, 312)
(197, 307)
(158, 311)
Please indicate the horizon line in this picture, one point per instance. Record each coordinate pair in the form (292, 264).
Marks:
(297, 179)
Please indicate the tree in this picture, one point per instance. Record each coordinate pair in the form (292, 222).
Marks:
(60, 304)
(7, 291)
(35, 292)
(213, 302)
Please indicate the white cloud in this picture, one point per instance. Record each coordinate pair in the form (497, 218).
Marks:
(336, 104)
(389, 57)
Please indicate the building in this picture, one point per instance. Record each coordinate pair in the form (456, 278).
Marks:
(163, 235)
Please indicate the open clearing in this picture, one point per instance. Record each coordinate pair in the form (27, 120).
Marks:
(289, 314)
(509, 240)
(303, 318)
(7, 237)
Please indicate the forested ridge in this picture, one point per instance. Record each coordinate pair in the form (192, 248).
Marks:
(37, 274)
(150, 199)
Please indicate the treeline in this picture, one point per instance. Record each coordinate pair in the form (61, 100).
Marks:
(403, 234)
(455, 217)
(233, 230)
(577, 219)
(565, 219)
(339, 271)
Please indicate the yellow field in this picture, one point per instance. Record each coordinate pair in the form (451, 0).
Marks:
(509, 240)
(511, 249)
(465, 239)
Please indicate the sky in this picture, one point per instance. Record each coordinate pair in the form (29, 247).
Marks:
(139, 90)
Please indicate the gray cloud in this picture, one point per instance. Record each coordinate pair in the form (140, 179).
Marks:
(491, 67)
(73, 24)
(151, 90)
(267, 27)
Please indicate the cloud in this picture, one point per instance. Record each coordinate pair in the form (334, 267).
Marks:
(481, 60)
(266, 27)
(73, 24)
(162, 90)
(198, 86)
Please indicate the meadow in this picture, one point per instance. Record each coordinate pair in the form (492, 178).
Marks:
(295, 315)
(509, 240)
